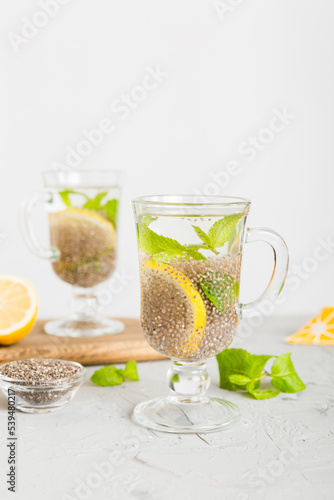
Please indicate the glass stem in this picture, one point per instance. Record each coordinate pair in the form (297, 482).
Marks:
(84, 304)
(188, 382)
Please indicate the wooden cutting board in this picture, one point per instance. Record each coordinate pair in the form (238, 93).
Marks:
(125, 346)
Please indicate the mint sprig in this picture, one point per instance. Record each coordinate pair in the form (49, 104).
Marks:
(130, 371)
(240, 370)
(110, 375)
(164, 249)
(66, 198)
(284, 376)
(95, 203)
(109, 208)
(205, 238)
(221, 230)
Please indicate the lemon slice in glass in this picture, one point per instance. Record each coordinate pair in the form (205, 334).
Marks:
(182, 308)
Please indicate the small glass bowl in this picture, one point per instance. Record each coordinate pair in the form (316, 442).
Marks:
(43, 396)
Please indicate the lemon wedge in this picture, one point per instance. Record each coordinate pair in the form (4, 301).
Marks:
(18, 309)
(319, 331)
(187, 293)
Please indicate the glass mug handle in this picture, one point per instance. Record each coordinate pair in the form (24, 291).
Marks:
(28, 231)
(280, 271)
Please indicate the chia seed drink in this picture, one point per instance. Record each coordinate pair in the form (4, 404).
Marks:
(188, 301)
(190, 251)
(85, 238)
(82, 206)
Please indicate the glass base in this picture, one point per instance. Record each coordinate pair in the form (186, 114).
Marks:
(69, 327)
(186, 415)
(34, 409)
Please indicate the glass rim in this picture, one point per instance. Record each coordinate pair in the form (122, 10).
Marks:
(86, 171)
(154, 200)
(59, 178)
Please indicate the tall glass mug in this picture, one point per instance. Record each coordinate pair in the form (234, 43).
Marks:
(82, 207)
(190, 261)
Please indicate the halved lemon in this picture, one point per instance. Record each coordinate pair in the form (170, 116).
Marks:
(185, 294)
(18, 309)
(319, 331)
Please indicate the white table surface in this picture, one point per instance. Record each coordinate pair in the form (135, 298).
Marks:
(281, 449)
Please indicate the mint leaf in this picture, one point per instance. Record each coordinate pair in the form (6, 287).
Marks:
(284, 376)
(240, 370)
(167, 257)
(130, 371)
(111, 208)
(146, 241)
(152, 243)
(165, 249)
(95, 203)
(221, 230)
(239, 361)
(193, 247)
(238, 379)
(108, 375)
(65, 196)
(221, 290)
(205, 238)
(261, 393)
(146, 220)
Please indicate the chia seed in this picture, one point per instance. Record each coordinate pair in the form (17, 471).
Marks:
(36, 380)
(167, 318)
(87, 251)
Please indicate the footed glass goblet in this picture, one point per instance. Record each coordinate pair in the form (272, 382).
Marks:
(190, 256)
(82, 208)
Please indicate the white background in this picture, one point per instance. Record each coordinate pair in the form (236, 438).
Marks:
(226, 75)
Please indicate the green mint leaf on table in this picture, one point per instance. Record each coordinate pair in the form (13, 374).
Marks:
(240, 370)
(257, 393)
(108, 375)
(238, 379)
(221, 230)
(284, 376)
(239, 362)
(130, 371)
(220, 290)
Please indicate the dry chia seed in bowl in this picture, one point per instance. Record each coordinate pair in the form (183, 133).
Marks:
(41, 385)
